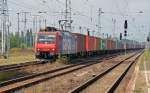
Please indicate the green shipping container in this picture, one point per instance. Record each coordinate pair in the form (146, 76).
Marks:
(102, 44)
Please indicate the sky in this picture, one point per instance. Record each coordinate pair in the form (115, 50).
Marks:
(82, 13)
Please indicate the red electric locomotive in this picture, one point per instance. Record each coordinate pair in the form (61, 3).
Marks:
(46, 43)
(51, 42)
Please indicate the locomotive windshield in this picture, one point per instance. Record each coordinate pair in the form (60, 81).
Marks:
(44, 38)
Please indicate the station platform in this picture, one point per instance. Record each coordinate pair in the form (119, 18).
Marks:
(140, 81)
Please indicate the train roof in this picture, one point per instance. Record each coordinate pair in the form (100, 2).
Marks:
(49, 29)
(52, 29)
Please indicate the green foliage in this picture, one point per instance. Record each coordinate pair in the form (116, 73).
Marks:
(62, 59)
(23, 46)
(14, 40)
(21, 40)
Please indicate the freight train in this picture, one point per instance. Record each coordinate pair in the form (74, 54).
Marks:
(52, 42)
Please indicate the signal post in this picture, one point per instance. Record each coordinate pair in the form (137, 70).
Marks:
(125, 35)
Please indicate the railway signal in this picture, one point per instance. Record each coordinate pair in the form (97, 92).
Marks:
(126, 24)
(120, 36)
(125, 27)
(148, 39)
(125, 33)
(88, 32)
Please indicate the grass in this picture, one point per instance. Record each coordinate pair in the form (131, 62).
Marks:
(140, 86)
(63, 60)
(11, 74)
(18, 55)
(145, 56)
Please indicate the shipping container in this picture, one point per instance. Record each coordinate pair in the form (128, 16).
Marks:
(102, 44)
(90, 43)
(119, 44)
(80, 42)
(68, 44)
(97, 43)
(108, 45)
(113, 46)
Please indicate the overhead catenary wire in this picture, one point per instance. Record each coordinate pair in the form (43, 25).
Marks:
(22, 5)
(56, 0)
(61, 5)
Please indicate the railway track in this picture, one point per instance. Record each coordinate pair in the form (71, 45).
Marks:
(18, 83)
(21, 65)
(13, 67)
(116, 83)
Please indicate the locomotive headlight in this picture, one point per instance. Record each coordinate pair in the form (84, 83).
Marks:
(53, 49)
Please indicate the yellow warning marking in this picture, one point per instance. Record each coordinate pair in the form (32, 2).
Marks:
(148, 90)
(146, 76)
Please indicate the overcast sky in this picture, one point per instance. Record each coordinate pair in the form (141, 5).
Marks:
(139, 23)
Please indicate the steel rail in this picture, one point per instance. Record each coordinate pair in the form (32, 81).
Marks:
(92, 80)
(117, 82)
(13, 81)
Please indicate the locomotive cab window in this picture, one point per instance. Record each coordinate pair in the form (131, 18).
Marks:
(43, 38)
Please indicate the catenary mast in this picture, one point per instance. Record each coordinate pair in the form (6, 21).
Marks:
(4, 28)
(68, 20)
